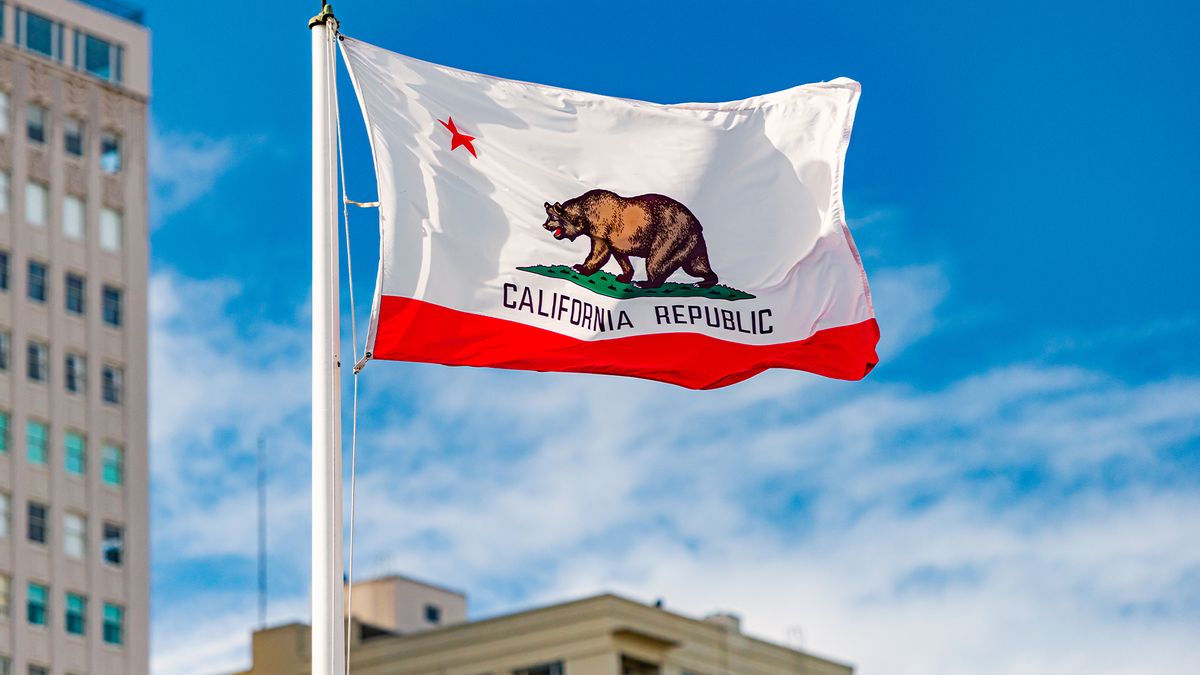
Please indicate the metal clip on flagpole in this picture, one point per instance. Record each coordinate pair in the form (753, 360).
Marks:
(328, 648)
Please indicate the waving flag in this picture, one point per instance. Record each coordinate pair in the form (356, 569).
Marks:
(531, 227)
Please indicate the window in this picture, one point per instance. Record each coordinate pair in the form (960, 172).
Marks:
(38, 670)
(111, 226)
(113, 546)
(74, 535)
(4, 112)
(74, 217)
(114, 623)
(5, 515)
(37, 204)
(112, 457)
(4, 418)
(433, 614)
(37, 367)
(37, 281)
(73, 136)
(36, 439)
(630, 666)
(5, 598)
(5, 349)
(37, 604)
(76, 614)
(5, 665)
(112, 306)
(113, 385)
(39, 34)
(3, 270)
(37, 118)
(37, 523)
(76, 373)
(98, 57)
(4, 191)
(75, 453)
(76, 296)
(555, 668)
(110, 153)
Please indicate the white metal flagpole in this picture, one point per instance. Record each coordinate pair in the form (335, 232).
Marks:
(328, 645)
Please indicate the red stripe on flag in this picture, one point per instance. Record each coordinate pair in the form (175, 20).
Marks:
(453, 338)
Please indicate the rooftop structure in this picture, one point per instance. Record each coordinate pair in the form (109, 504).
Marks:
(601, 635)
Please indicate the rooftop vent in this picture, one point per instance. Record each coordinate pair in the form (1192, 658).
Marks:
(727, 620)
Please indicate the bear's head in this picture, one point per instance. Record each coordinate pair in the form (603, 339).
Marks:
(562, 223)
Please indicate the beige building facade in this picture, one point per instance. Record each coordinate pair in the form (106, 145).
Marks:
(403, 605)
(601, 635)
(74, 562)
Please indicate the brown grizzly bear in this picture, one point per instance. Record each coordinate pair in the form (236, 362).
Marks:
(654, 227)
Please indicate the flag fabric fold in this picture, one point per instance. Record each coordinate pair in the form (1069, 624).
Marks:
(537, 228)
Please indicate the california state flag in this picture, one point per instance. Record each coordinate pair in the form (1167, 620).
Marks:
(538, 228)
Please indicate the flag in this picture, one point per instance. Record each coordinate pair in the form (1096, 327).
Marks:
(537, 228)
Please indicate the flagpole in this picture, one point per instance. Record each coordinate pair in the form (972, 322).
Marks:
(328, 655)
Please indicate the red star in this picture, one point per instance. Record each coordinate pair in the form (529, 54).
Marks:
(458, 138)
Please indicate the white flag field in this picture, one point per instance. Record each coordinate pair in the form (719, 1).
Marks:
(537, 228)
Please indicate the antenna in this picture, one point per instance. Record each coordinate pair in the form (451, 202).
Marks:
(795, 637)
(795, 640)
(262, 532)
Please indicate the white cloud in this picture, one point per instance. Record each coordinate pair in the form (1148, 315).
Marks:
(1021, 520)
(183, 168)
(216, 385)
(905, 301)
(213, 634)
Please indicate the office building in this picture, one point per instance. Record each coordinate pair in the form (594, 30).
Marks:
(74, 578)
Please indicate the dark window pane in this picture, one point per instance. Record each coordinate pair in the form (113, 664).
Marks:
(544, 669)
(113, 545)
(4, 270)
(97, 59)
(113, 384)
(37, 522)
(35, 123)
(631, 666)
(37, 281)
(76, 294)
(110, 153)
(40, 34)
(112, 306)
(35, 355)
(76, 613)
(73, 136)
(38, 595)
(114, 620)
(76, 373)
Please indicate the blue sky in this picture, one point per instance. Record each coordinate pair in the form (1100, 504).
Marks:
(1006, 493)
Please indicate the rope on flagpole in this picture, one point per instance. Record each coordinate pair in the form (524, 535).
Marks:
(337, 123)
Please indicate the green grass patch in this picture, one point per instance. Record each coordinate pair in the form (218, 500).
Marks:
(605, 283)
